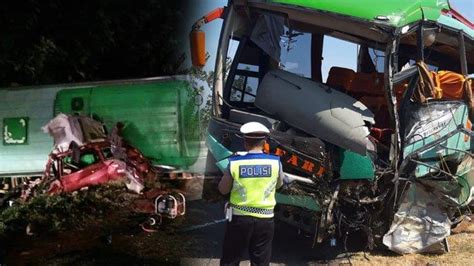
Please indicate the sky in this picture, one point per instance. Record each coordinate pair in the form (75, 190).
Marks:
(465, 7)
(336, 52)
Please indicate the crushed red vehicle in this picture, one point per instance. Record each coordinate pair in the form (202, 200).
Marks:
(84, 156)
(91, 164)
(79, 161)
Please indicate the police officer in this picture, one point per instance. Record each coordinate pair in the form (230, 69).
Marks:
(251, 178)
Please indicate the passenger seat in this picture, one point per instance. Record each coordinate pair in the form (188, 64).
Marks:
(367, 84)
(340, 78)
(378, 106)
(374, 103)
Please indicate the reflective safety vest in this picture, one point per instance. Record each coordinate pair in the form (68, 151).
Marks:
(255, 177)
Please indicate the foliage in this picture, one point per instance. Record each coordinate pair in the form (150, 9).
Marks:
(59, 212)
(56, 41)
(241, 91)
(203, 82)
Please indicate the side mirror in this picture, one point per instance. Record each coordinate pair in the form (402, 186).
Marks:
(198, 47)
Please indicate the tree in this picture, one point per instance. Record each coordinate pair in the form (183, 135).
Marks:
(55, 41)
(203, 82)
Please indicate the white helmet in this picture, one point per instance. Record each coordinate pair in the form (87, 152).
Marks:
(254, 130)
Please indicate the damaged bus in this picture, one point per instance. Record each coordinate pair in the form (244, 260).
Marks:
(370, 107)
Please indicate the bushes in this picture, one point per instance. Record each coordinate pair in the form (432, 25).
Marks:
(66, 211)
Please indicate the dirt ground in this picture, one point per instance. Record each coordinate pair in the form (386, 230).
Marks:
(461, 253)
(100, 230)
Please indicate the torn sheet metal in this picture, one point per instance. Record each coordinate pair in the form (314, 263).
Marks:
(64, 131)
(421, 222)
(135, 183)
(267, 34)
(453, 192)
(316, 109)
(79, 129)
(88, 165)
(354, 166)
(468, 187)
(96, 174)
(83, 156)
(427, 123)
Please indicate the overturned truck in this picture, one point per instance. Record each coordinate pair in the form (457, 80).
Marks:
(84, 156)
(370, 107)
(138, 132)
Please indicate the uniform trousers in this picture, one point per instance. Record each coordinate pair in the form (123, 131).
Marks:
(247, 233)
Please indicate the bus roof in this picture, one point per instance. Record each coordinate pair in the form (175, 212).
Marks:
(396, 13)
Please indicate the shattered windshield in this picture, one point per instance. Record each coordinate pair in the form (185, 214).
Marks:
(290, 45)
(294, 45)
(283, 43)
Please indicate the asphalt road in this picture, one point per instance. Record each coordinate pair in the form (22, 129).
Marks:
(289, 247)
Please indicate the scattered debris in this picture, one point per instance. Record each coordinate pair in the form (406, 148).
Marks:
(420, 223)
(85, 158)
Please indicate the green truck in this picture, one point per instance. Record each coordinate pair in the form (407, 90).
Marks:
(369, 101)
(159, 115)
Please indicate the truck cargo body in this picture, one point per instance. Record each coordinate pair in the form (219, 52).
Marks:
(154, 113)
